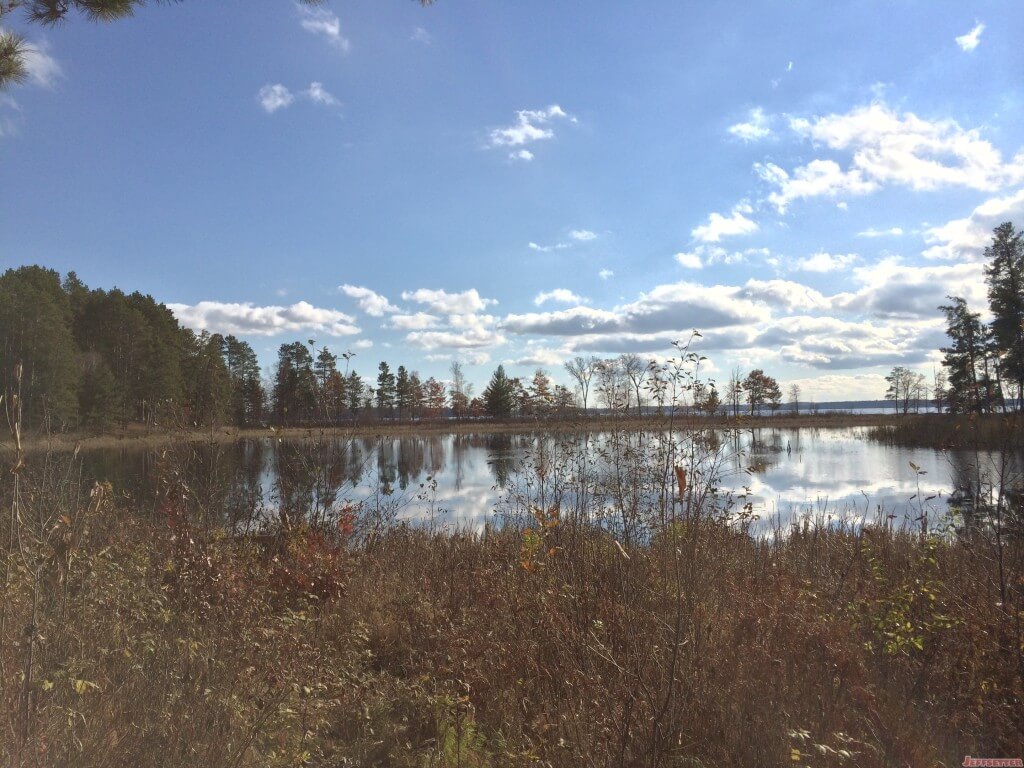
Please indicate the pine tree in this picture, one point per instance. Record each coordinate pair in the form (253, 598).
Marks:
(294, 384)
(385, 388)
(1005, 277)
(35, 334)
(499, 396)
(964, 358)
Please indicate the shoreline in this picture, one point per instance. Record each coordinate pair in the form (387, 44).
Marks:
(142, 437)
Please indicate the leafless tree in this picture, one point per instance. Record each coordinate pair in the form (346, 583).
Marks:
(582, 369)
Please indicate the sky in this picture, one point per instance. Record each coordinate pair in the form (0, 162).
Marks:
(524, 182)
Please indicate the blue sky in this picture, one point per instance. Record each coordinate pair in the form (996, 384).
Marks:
(524, 182)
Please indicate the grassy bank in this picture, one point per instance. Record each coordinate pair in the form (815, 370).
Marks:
(169, 640)
(143, 437)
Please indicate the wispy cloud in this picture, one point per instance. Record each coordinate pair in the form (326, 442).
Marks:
(274, 97)
(872, 232)
(531, 125)
(972, 39)
(325, 23)
(756, 127)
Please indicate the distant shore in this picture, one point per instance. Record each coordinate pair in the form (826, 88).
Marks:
(140, 436)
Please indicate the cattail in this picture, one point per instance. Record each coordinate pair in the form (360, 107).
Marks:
(681, 480)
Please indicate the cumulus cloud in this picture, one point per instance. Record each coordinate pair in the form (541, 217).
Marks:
(468, 339)
(911, 151)
(827, 262)
(966, 238)
(756, 127)
(247, 318)
(786, 294)
(445, 303)
(559, 296)
(719, 226)
(891, 288)
(672, 307)
(689, 260)
(371, 302)
(531, 125)
(417, 321)
(325, 23)
(817, 178)
(971, 40)
(274, 97)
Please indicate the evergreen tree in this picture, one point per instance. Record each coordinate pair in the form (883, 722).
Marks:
(208, 389)
(247, 395)
(499, 396)
(385, 388)
(35, 333)
(294, 384)
(963, 359)
(1005, 277)
(403, 392)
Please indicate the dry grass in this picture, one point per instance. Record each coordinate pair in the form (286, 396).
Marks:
(156, 640)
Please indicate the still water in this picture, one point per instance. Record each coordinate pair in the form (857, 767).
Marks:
(467, 479)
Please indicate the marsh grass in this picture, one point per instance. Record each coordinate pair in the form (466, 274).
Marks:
(622, 615)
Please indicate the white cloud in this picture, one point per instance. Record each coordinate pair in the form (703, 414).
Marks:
(827, 262)
(561, 296)
(583, 235)
(318, 95)
(911, 151)
(605, 274)
(891, 288)
(786, 294)
(275, 97)
(970, 41)
(417, 321)
(547, 248)
(756, 127)
(445, 303)
(689, 260)
(719, 226)
(531, 125)
(673, 307)
(246, 318)
(371, 302)
(965, 239)
(420, 35)
(469, 339)
(872, 232)
(43, 70)
(321, 21)
(817, 178)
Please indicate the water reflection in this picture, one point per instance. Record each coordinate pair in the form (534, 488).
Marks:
(461, 478)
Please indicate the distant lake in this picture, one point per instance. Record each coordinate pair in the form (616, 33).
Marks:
(466, 479)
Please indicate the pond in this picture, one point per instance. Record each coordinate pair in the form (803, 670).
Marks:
(467, 479)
